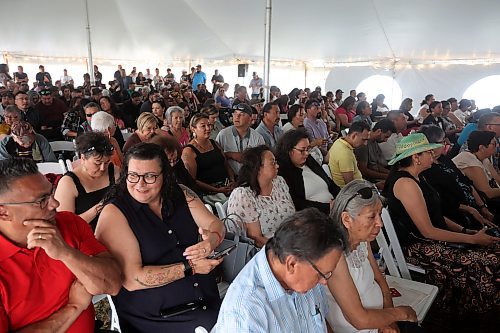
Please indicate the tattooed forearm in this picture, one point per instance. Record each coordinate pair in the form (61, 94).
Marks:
(160, 275)
(189, 193)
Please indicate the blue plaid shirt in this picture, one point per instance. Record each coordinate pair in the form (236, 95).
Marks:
(256, 302)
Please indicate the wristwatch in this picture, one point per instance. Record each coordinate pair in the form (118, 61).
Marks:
(188, 270)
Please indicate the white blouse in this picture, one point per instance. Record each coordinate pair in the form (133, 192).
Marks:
(269, 211)
(368, 289)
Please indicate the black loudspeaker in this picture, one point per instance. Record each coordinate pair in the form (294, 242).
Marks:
(242, 70)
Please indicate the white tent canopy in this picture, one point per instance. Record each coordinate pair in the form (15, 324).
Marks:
(388, 35)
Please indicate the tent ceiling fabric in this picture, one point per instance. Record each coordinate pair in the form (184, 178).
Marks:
(332, 31)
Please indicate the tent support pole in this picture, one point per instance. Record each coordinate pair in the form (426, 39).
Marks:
(89, 45)
(267, 48)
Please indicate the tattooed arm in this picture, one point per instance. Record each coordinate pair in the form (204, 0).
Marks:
(114, 232)
(210, 227)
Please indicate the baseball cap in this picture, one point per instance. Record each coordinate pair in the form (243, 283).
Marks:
(339, 91)
(243, 107)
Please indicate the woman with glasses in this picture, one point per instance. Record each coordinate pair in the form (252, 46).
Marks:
(262, 199)
(206, 162)
(222, 99)
(359, 297)
(81, 191)
(460, 201)
(482, 145)
(436, 243)
(147, 127)
(161, 235)
(309, 185)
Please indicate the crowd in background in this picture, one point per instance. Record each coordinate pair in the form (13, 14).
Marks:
(141, 132)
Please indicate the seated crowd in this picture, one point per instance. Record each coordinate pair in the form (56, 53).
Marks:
(151, 152)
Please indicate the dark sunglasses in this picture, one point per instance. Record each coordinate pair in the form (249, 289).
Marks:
(365, 193)
(105, 149)
(44, 92)
(89, 115)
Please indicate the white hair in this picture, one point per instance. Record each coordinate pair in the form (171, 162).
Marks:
(102, 122)
(173, 109)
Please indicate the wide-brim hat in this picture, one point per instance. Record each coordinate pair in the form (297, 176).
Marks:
(411, 145)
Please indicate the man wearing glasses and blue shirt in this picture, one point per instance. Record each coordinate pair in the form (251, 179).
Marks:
(51, 264)
(281, 290)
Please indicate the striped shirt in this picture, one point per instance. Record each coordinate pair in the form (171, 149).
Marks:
(256, 302)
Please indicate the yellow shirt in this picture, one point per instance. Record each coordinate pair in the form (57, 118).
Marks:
(342, 159)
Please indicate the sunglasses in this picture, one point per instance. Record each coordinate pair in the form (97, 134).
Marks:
(365, 193)
(89, 115)
(44, 92)
(105, 149)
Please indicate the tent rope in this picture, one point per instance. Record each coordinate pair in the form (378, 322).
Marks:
(383, 30)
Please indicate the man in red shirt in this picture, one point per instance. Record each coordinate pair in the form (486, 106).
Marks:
(50, 263)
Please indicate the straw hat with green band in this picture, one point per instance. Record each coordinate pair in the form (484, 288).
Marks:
(411, 145)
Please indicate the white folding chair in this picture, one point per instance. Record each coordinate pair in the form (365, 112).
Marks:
(419, 296)
(326, 168)
(415, 294)
(210, 209)
(392, 252)
(52, 167)
(62, 146)
(221, 209)
(114, 322)
(69, 165)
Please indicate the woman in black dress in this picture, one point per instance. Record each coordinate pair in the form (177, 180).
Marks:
(152, 227)
(81, 191)
(425, 235)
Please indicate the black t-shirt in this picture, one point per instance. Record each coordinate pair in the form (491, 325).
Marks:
(40, 78)
(20, 76)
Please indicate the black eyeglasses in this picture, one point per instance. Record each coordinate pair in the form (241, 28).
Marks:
(43, 202)
(303, 151)
(325, 276)
(149, 178)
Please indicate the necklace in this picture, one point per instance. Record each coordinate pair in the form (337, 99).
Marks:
(204, 148)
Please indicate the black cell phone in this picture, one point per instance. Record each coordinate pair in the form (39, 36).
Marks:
(223, 249)
(180, 309)
(495, 232)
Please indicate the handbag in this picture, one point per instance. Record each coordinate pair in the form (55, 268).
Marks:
(245, 248)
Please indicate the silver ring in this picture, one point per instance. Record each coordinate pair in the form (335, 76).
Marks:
(39, 236)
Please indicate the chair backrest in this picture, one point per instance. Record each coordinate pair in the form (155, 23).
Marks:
(221, 209)
(62, 146)
(69, 165)
(391, 249)
(326, 168)
(57, 168)
(114, 322)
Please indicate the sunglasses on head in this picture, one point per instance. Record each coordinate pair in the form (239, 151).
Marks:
(105, 149)
(365, 193)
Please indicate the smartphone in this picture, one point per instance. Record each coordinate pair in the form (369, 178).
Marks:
(180, 309)
(223, 249)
